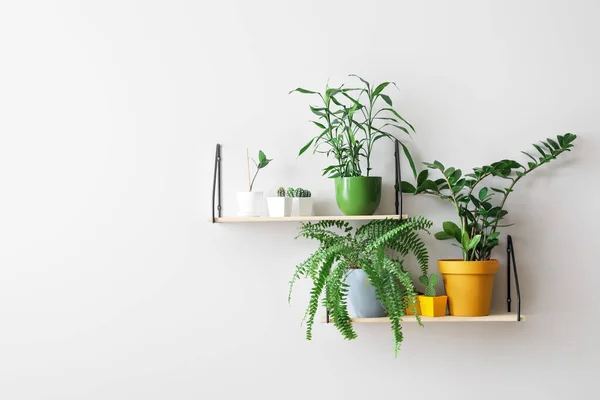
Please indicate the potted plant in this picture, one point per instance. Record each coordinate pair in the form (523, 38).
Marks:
(250, 203)
(468, 281)
(280, 206)
(361, 253)
(350, 121)
(302, 202)
(431, 304)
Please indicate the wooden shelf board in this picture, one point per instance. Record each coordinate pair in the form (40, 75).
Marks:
(506, 317)
(305, 219)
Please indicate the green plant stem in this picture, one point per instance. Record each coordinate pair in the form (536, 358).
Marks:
(369, 134)
(252, 183)
(457, 207)
(509, 191)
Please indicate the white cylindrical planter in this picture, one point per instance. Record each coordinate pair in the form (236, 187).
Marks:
(302, 207)
(249, 204)
(362, 298)
(279, 206)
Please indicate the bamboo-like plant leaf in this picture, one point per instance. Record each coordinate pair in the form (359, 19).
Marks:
(301, 90)
(387, 99)
(399, 117)
(380, 88)
(362, 80)
(306, 146)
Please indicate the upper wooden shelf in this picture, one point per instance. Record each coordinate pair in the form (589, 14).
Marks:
(305, 219)
(506, 317)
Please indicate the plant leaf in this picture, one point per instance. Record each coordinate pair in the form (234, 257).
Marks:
(483, 193)
(409, 158)
(407, 187)
(443, 236)
(452, 229)
(302, 91)
(474, 241)
(261, 157)
(399, 117)
(386, 98)
(362, 80)
(380, 88)
(422, 177)
(306, 146)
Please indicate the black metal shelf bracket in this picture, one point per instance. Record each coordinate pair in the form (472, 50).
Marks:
(510, 252)
(216, 194)
(398, 185)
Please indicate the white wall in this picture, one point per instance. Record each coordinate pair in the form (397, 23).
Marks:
(114, 286)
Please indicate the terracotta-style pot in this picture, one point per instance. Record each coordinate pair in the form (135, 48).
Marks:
(469, 286)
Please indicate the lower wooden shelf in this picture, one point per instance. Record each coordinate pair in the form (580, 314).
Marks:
(506, 317)
(308, 218)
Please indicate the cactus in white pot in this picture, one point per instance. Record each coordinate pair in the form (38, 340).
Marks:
(280, 206)
(303, 203)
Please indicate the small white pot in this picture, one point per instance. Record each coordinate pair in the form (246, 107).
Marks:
(302, 207)
(279, 206)
(249, 204)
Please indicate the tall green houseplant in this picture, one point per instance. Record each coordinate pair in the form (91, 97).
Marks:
(368, 249)
(350, 120)
(478, 217)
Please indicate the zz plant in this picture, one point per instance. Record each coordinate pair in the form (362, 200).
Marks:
(350, 120)
(478, 217)
(368, 248)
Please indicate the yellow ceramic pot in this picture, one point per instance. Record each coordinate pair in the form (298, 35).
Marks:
(433, 306)
(468, 286)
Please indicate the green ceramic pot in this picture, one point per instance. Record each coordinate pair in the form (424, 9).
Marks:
(358, 195)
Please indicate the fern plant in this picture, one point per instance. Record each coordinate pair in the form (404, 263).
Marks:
(368, 248)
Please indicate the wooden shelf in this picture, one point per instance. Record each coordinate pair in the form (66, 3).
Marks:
(305, 219)
(506, 317)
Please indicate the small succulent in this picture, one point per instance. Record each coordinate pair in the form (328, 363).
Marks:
(429, 283)
(281, 192)
(299, 192)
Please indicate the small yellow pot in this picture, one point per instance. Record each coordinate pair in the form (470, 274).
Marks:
(433, 306)
(417, 306)
(468, 286)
